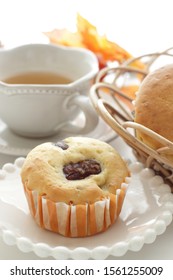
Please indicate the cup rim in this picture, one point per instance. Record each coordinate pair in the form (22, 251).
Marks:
(91, 74)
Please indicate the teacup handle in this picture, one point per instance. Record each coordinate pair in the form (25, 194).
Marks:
(91, 118)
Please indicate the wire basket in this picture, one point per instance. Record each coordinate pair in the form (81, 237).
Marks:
(116, 109)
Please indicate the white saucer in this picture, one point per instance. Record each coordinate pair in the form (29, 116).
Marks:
(13, 144)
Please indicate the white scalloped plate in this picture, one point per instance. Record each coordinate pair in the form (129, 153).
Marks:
(146, 213)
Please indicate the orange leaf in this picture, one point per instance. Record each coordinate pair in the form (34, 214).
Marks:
(99, 44)
(88, 37)
(64, 37)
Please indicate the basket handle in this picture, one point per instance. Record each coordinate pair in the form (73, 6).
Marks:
(149, 132)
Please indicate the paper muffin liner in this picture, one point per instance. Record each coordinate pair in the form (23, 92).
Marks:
(75, 220)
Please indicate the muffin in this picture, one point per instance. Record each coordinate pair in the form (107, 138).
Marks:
(154, 105)
(75, 187)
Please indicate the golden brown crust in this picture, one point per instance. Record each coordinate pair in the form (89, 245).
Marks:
(154, 105)
(43, 171)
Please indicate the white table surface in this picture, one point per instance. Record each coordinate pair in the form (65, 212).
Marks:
(161, 249)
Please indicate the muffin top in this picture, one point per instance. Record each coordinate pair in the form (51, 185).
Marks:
(154, 104)
(77, 170)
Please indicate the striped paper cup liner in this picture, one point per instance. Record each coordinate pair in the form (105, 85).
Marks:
(75, 220)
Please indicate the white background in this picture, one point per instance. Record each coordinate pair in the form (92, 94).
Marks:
(138, 26)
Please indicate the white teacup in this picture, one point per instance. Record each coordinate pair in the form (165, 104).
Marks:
(33, 102)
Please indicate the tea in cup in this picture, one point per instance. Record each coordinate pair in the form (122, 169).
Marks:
(44, 87)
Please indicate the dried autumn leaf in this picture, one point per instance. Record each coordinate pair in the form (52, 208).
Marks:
(104, 49)
(65, 38)
(87, 37)
(99, 44)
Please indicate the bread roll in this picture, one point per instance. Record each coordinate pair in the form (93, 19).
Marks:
(154, 105)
